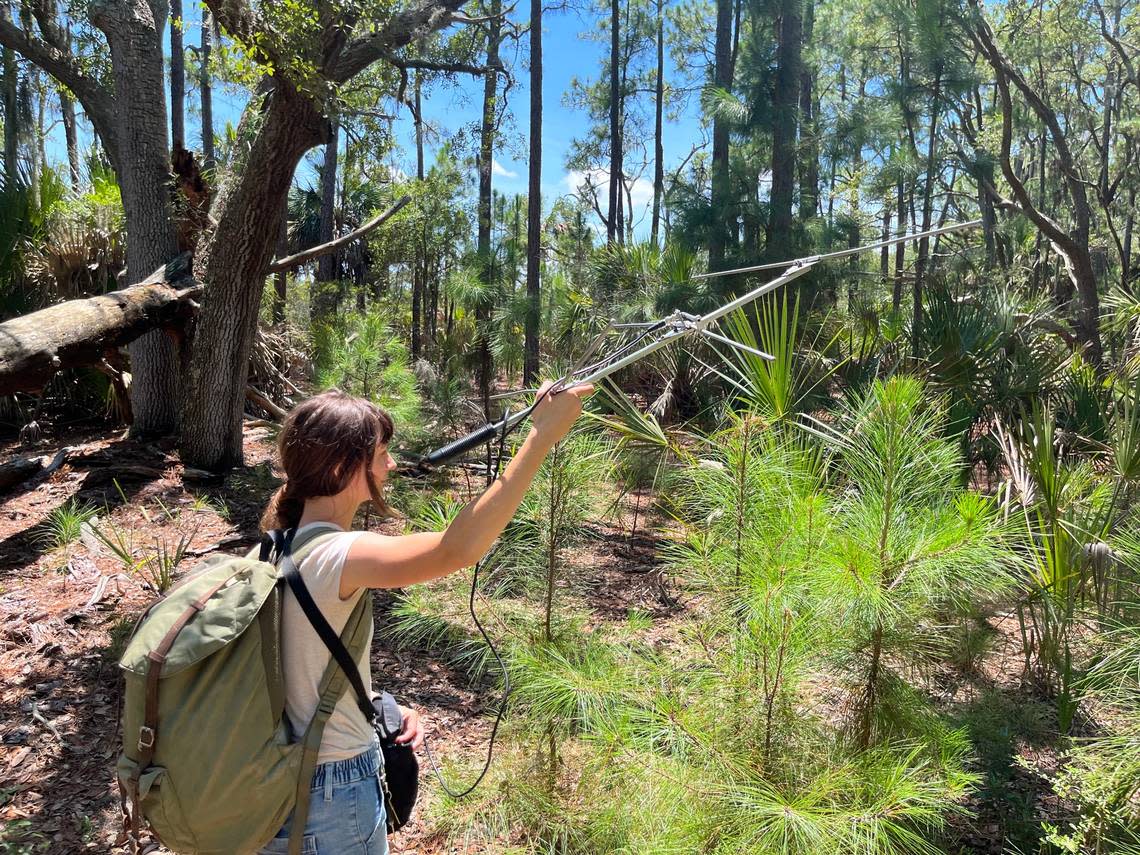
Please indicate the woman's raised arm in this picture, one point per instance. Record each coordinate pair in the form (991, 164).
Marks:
(395, 561)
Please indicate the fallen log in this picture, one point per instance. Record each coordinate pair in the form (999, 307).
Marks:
(262, 400)
(80, 332)
(13, 472)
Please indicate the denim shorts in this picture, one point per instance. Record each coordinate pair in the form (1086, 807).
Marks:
(346, 811)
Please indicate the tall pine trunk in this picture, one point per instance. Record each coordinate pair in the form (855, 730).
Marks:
(10, 101)
(486, 159)
(534, 198)
(206, 91)
(721, 185)
(613, 222)
(809, 131)
(324, 292)
(418, 266)
(785, 101)
(659, 108)
(70, 134)
(177, 78)
(920, 263)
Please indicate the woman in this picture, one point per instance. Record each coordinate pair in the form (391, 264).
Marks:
(334, 450)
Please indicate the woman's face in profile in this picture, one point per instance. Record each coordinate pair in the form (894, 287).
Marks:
(382, 464)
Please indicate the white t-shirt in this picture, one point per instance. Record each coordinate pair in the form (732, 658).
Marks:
(304, 656)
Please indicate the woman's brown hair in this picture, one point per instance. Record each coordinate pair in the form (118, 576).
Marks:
(323, 443)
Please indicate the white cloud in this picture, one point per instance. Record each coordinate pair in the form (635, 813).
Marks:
(500, 170)
(580, 181)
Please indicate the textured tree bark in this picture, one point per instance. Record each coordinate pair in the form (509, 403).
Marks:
(134, 33)
(613, 217)
(280, 280)
(900, 247)
(67, 109)
(534, 199)
(418, 266)
(483, 239)
(885, 252)
(659, 109)
(80, 332)
(785, 100)
(324, 293)
(232, 262)
(809, 131)
(721, 185)
(177, 78)
(927, 211)
(8, 99)
(206, 91)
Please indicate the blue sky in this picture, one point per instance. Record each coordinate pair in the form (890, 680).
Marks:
(447, 107)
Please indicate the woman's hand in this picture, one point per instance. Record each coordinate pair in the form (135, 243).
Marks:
(413, 729)
(555, 414)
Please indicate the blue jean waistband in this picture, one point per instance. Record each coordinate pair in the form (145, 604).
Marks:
(339, 772)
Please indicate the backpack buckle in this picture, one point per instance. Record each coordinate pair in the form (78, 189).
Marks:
(146, 738)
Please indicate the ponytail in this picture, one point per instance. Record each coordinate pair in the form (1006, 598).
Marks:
(284, 510)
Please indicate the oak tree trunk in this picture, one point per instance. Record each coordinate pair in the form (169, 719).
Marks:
(232, 264)
(142, 162)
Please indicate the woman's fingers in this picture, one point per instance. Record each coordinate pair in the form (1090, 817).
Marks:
(412, 731)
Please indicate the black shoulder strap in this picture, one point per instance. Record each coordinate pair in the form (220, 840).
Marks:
(284, 543)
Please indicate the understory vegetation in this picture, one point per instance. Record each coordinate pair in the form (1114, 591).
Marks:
(855, 571)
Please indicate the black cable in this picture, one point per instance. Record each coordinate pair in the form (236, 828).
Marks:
(490, 645)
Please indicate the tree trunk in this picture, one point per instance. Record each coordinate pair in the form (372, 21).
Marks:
(10, 99)
(900, 247)
(39, 158)
(1126, 256)
(142, 163)
(418, 264)
(486, 159)
(177, 78)
(927, 211)
(280, 278)
(207, 91)
(534, 199)
(809, 133)
(613, 215)
(785, 100)
(67, 109)
(232, 264)
(325, 294)
(721, 182)
(659, 108)
(885, 252)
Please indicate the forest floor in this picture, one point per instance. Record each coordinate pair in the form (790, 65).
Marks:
(65, 613)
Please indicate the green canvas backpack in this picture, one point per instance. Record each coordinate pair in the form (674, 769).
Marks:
(208, 759)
